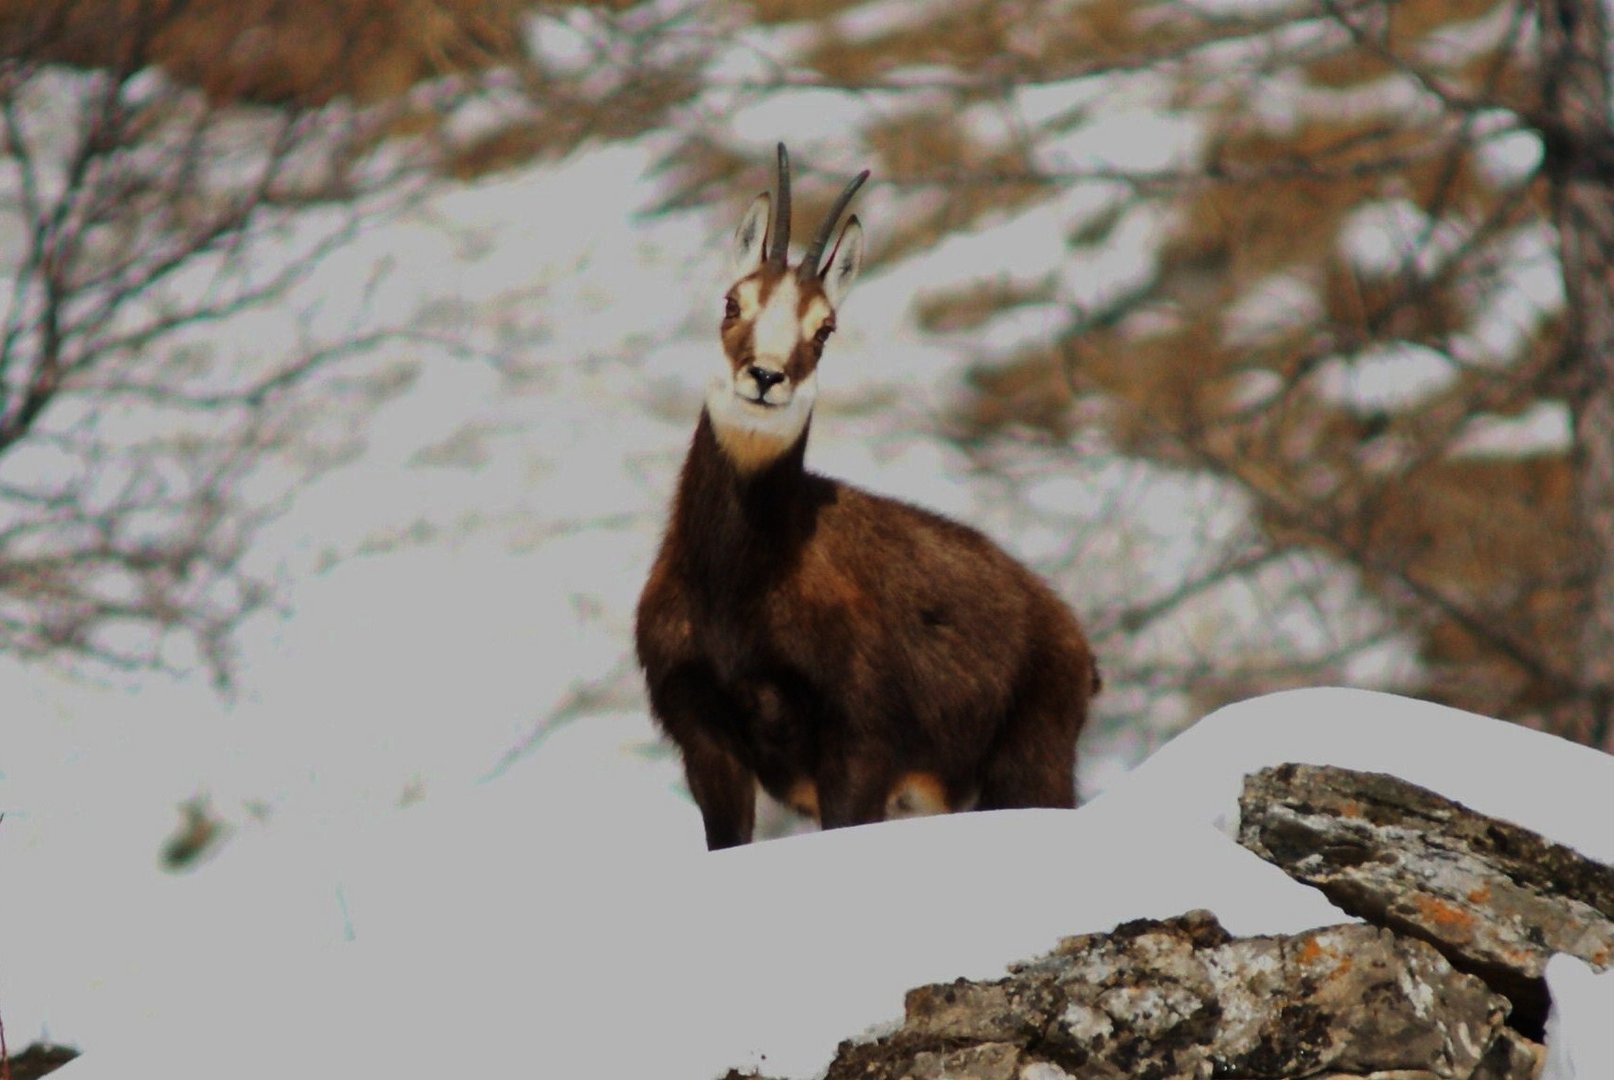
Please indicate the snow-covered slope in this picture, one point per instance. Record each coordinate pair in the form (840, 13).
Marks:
(487, 944)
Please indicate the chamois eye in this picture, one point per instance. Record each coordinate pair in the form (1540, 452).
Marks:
(731, 309)
(823, 334)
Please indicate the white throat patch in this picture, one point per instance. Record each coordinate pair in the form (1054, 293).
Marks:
(754, 435)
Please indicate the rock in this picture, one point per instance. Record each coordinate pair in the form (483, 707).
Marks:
(929, 1061)
(1496, 899)
(1352, 998)
(38, 1059)
(1181, 1000)
(1511, 1056)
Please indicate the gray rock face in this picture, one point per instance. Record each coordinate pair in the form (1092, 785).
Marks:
(1496, 899)
(1356, 999)
(1181, 1000)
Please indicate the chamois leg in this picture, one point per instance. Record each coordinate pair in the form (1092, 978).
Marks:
(1033, 762)
(853, 786)
(1027, 772)
(685, 700)
(724, 789)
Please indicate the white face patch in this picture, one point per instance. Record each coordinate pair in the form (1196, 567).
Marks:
(775, 330)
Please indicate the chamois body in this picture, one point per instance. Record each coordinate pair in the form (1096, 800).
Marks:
(844, 650)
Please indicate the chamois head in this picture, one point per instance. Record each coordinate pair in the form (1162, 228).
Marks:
(776, 319)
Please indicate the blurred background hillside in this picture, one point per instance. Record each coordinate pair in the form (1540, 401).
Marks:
(347, 359)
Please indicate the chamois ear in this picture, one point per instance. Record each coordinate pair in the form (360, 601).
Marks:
(751, 238)
(845, 260)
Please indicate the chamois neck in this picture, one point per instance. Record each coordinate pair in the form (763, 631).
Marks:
(762, 491)
(735, 523)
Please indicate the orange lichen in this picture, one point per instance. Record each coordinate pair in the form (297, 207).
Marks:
(1443, 912)
(1313, 952)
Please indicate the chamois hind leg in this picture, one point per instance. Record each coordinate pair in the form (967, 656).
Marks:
(724, 789)
(853, 784)
(1033, 762)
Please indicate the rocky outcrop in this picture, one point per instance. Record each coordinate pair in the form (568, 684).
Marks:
(1180, 999)
(1442, 982)
(37, 1060)
(1497, 900)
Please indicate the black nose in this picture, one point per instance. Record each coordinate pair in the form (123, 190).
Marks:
(766, 378)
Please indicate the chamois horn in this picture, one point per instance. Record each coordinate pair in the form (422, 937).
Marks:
(809, 262)
(781, 215)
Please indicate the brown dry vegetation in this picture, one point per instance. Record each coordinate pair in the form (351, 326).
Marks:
(273, 52)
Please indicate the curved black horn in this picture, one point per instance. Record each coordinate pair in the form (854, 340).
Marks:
(781, 214)
(809, 262)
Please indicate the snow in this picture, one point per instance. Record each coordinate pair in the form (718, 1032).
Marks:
(1491, 766)
(886, 18)
(1511, 156)
(1126, 140)
(1545, 427)
(1395, 375)
(1382, 237)
(1270, 308)
(1579, 1044)
(552, 929)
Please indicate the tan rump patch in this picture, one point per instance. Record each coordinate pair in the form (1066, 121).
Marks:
(917, 794)
(804, 798)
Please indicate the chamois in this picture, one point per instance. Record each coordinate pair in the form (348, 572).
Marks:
(852, 654)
